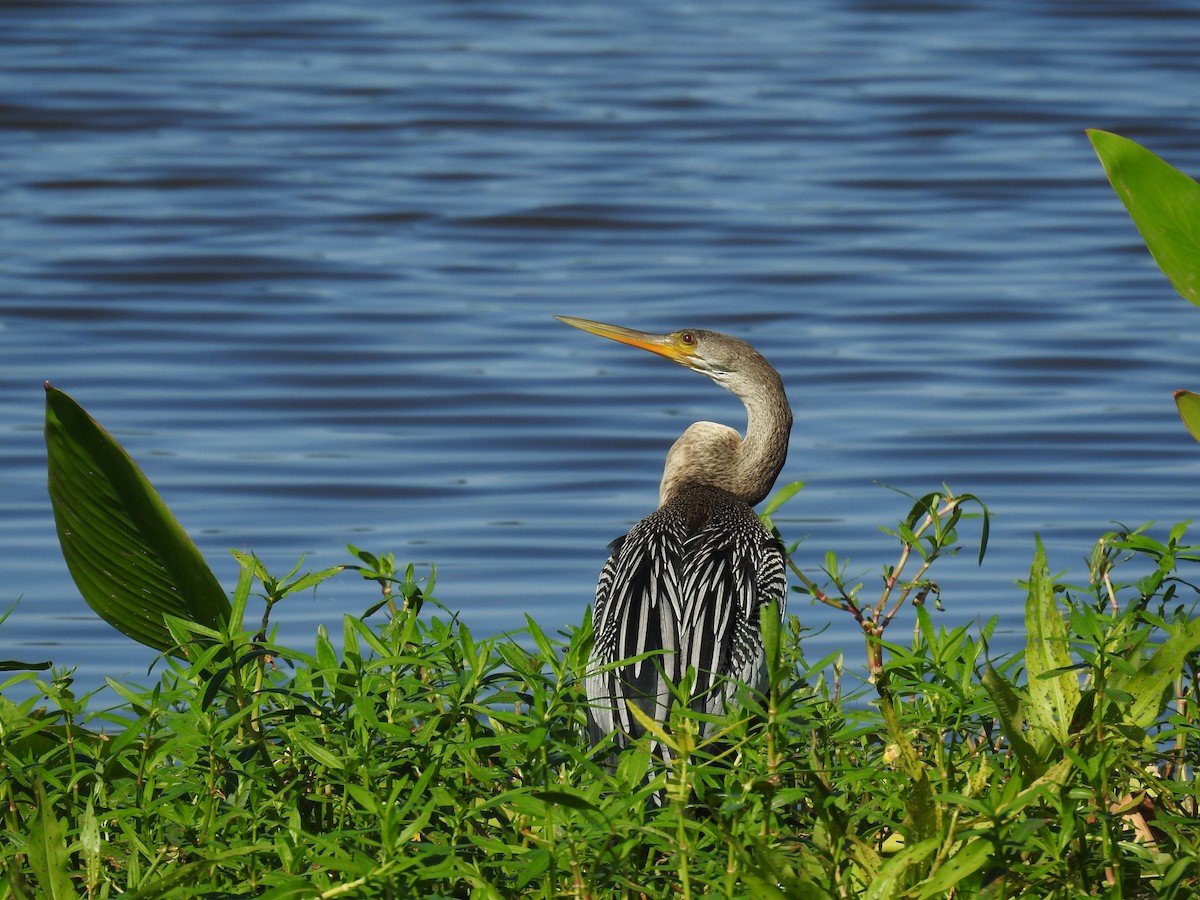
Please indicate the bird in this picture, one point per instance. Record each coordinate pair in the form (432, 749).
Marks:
(690, 582)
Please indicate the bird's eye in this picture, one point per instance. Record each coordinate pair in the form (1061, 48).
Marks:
(688, 338)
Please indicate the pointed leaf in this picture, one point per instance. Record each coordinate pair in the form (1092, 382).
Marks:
(1164, 204)
(565, 798)
(771, 623)
(647, 722)
(130, 558)
(312, 579)
(782, 496)
(89, 843)
(1189, 411)
(1053, 689)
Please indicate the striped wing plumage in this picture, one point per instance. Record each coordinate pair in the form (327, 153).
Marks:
(687, 584)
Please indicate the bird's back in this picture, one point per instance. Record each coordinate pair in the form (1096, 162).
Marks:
(689, 581)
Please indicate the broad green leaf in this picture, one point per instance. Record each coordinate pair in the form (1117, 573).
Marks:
(1053, 687)
(1164, 204)
(131, 560)
(1152, 679)
(47, 851)
(1189, 411)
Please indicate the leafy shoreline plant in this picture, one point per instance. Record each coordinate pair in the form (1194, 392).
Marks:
(418, 760)
(421, 761)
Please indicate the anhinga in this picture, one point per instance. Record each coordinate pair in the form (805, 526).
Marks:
(692, 578)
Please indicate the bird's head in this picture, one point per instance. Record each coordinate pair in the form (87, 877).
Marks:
(715, 454)
(707, 352)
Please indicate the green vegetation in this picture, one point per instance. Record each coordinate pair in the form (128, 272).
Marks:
(421, 761)
(413, 759)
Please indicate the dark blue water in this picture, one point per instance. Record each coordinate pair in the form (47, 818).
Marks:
(302, 259)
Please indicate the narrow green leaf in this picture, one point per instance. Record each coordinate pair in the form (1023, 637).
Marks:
(185, 630)
(187, 873)
(15, 665)
(1189, 411)
(215, 683)
(351, 651)
(89, 844)
(251, 562)
(965, 861)
(1053, 693)
(891, 879)
(130, 558)
(326, 654)
(241, 593)
(926, 506)
(985, 526)
(364, 631)
(655, 729)
(1164, 204)
(316, 751)
(782, 496)
(772, 626)
(565, 798)
(1012, 721)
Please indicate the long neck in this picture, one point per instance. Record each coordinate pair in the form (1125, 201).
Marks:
(716, 455)
(761, 454)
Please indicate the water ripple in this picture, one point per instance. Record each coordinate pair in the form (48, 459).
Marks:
(302, 259)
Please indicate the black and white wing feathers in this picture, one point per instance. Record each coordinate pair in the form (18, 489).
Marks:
(687, 584)
(638, 611)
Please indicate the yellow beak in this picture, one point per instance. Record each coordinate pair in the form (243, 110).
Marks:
(672, 346)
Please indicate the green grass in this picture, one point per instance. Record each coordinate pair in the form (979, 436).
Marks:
(421, 761)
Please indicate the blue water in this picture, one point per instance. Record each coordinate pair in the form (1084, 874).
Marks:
(302, 259)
